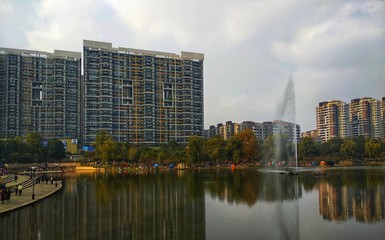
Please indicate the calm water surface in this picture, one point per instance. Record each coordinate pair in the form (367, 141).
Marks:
(346, 203)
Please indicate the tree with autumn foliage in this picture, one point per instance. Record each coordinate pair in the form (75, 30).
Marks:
(250, 147)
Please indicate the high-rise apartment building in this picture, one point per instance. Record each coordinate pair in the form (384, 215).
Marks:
(383, 116)
(365, 118)
(39, 93)
(140, 96)
(332, 119)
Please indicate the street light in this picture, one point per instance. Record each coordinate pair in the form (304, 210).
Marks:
(33, 171)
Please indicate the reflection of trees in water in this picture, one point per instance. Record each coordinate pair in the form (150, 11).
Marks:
(247, 186)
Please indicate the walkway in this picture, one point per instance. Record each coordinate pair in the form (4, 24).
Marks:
(41, 190)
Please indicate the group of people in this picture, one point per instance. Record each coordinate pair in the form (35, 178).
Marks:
(5, 195)
(5, 192)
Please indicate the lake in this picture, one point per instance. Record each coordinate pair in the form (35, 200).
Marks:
(335, 203)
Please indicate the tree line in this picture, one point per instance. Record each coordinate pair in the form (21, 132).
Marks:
(242, 148)
(336, 149)
(31, 149)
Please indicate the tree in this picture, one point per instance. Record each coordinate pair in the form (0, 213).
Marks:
(234, 149)
(35, 145)
(134, 154)
(195, 149)
(268, 148)
(360, 141)
(215, 148)
(307, 148)
(55, 149)
(105, 146)
(147, 154)
(249, 141)
(331, 148)
(348, 148)
(373, 149)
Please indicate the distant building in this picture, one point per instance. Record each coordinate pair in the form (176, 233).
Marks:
(366, 118)
(261, 130)
(39, 93)
(383, 116)
(310, 134)
(313, 134)
(140, 96)
(362, 117)
(332, 119)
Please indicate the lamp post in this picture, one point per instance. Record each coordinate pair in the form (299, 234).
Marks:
(33, 171)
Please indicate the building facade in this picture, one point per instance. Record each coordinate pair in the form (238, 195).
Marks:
(366, 118)
(140, 96)
(332, 119)
(362, 117)
(383, 116)
(39, 93)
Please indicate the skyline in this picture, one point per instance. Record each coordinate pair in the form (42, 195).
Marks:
(251, 47)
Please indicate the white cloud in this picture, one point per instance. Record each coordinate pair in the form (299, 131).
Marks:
(5, 8)
(60, 25)
(341, 40)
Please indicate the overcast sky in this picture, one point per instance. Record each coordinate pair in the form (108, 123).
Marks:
(333, 49)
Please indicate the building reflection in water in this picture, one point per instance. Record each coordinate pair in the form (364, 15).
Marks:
(342, 202)
(112, 207)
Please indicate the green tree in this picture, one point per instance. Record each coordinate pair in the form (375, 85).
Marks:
(122, 151)
(348, 148)
(147, 154)
(268, 148)
(307, 148)
(173, 152)
(55, 149)
(215, 148)
(134, 154)
(331, 148)
(234, 149)
(360, 141)
(195, 149)
(35, 146)
(105, 146)
(373, 148)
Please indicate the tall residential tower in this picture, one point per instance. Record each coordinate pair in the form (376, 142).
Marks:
(332, 119)
(365, 118)
(39, 93)
(140, 96)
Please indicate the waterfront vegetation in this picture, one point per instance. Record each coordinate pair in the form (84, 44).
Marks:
(243, 148)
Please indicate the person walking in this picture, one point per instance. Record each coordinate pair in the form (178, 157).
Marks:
(2, 195)
(20, 188)
(8, 195)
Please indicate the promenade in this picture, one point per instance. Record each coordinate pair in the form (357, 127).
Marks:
(41, 190)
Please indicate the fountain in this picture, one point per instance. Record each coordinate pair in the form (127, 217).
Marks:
(286, 111)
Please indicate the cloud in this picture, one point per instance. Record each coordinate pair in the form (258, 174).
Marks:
(59, 24)
(6, 8)
(349, 38)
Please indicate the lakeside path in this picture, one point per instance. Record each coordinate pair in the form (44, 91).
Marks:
(42, 190)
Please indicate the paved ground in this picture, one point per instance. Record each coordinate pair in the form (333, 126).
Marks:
(41, 191)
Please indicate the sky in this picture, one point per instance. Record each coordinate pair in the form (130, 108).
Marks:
(333, 49)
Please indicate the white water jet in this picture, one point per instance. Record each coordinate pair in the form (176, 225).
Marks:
(286, 111)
